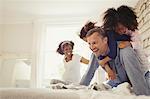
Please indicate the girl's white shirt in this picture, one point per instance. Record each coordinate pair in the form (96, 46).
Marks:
(72, 69)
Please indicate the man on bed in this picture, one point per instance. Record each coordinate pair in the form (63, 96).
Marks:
(99, 45)
(113, 81)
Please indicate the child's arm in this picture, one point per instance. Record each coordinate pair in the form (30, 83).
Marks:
(110, 72)
(84, 60)
(106, 67)
(124, 44)
(104, 61)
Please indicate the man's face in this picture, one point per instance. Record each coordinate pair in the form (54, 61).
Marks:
(97, 43)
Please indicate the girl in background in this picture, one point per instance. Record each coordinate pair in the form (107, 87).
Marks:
(71, 62)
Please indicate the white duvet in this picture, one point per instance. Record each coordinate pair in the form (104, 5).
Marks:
(123, 91)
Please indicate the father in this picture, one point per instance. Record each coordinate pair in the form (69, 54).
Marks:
(98, 43)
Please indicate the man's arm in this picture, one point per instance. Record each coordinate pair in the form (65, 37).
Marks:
(92, 67)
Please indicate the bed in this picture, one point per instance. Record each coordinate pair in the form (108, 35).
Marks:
(121, 92)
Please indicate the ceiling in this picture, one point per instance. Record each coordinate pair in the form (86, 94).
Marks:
(59, 9)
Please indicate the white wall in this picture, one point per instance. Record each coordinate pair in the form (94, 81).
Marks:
(0, 11)
(0, 25)
(0, 46)
(7, 73)
(17, 38)
(0, 31)
(16, 41)
(0, 38)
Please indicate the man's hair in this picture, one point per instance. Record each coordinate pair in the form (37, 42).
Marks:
(99, 30)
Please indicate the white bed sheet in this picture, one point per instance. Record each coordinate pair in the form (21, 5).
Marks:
(38, 94)
(121, 92)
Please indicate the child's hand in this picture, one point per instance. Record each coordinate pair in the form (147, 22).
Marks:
(111, 75)
(102, 63)
(124, 44)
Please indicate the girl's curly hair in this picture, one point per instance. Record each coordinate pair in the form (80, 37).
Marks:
(88, 26)
(127, 17)
(110, 19)
(124, 15)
